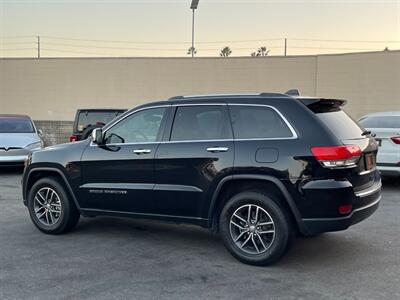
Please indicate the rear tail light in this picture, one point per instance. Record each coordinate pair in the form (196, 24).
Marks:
(73, 138)
(336, 157)
(396, 140)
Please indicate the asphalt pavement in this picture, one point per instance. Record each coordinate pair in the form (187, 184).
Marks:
(113, 258)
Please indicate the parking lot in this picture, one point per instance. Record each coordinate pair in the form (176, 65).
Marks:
(107, 258)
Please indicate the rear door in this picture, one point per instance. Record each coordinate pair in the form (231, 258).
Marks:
(196, 155)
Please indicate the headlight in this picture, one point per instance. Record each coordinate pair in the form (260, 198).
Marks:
(35, 146)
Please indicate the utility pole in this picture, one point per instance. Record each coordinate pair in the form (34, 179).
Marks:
(193, 7)
(38, 46)
(285, 46)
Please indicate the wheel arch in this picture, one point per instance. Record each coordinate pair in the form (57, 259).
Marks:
(217, 197)
(38, 173)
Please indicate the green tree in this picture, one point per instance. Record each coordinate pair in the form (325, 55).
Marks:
(225, 52)
(262, 51)
(191, 50)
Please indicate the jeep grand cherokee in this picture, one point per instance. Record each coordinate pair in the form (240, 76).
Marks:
(256, 168)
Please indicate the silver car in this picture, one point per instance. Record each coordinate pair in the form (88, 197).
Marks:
(18, 138)
(385, 126)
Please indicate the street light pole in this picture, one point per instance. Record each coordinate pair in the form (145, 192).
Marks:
(193, 7)
(193, 32)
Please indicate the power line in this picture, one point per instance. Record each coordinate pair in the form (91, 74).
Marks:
(222, 41)
(77, 52)
(15, 37)
(16, 49)
(328, 48)
(142, 49)
(345, 41)
(15, 43)
(161, 43)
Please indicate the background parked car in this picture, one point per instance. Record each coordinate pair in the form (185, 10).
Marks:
(88, 119)
(18, 138)
(386, 128)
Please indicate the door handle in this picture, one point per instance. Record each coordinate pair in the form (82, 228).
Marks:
(217, 149)
(142, 151)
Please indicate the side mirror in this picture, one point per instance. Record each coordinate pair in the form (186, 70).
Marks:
(40, 132)
(97, 136)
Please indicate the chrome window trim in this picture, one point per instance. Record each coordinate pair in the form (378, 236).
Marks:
(291, 128)
(128, 115)
(131, 113)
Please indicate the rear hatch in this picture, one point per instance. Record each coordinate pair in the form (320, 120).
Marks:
(349, 132)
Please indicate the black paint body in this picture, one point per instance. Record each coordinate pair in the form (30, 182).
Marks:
(181, 181)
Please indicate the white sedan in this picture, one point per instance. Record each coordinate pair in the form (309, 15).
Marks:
(385, 127)
(18, 138)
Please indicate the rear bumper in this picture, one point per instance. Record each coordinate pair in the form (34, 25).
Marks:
(389, 169)
(368, 201)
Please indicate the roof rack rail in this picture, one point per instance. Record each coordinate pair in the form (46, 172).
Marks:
(273, 95)
(229, 95)
(176, 98)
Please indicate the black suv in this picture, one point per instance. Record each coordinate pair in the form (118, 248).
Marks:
(88, 119)
(255, 168)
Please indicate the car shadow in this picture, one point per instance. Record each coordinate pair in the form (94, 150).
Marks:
(391, 182)
(328, 248)
(6, 170)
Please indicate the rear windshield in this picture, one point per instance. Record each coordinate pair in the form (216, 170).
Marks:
(340, 123)
(381, 122)
(89, 118)
(16, 125)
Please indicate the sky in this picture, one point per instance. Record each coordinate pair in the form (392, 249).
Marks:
(163, 28)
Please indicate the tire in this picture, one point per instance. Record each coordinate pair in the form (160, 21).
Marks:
(61, 216)
(271, 240)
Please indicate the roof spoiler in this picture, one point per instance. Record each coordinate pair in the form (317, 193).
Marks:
(323, 102)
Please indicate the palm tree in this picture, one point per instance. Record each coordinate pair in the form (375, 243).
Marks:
(225, 52)
(262, 51)
(191, 51)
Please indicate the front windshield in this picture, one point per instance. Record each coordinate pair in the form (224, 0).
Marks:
(15, 125)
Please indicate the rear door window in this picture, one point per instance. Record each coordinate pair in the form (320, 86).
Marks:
(258, 122)
(201, 122)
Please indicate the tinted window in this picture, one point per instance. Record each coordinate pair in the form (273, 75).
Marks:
(341, 124)
(201, 123)
(16, 125)
(381, 122)
(140, 127)
(251, 122)
(88, 118)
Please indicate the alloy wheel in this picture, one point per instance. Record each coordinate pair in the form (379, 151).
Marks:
(47, 206)
(252, 229)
